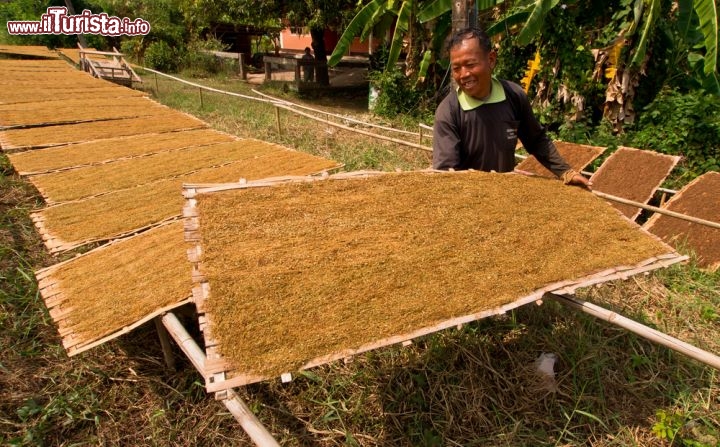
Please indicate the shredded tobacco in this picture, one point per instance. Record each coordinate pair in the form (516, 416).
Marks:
(119, 285)
(633, 174)
(126, 210)
(576, 155)
(701, 199)
(299, 271)
(93, 152)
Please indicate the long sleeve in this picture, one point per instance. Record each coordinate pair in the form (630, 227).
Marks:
(534, 137)
(446, 139)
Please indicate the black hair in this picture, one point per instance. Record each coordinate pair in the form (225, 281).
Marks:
(471, 33)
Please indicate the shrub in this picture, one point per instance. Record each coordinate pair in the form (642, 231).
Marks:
(395, 94)
(160, 56)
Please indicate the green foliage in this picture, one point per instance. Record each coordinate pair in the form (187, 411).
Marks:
(668, 425)
(160, 56)
(682, 124)
(199, 60)
(396, 94)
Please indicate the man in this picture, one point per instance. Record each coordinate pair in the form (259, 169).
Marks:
(308, 67)
(478, 126)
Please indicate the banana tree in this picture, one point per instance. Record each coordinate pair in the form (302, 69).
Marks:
(410, 19)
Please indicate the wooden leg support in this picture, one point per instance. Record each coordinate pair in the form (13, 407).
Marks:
(640, 329)
(240, 411)
(165, 343)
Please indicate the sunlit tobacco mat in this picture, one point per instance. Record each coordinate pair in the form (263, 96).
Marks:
(633, 174)
(116, 285)
(102, 151)
(102, 217)
(304, 270)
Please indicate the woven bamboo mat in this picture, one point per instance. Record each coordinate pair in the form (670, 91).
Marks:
(633, 174)
(113, 289)
(120, 213)
(94, 110)
(578, 156)
(55, 135)
(700, 198)
(293, 274)
(30, 65)
(29, 50)
(95, 180)
(57, 78)
(71, 93)
(105, 151)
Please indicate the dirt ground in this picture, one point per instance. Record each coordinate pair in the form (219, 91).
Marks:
(339, 77)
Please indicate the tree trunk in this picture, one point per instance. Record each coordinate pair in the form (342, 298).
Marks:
(71, 12)
(322, 76)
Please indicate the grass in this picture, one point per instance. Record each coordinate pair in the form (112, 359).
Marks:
(472, 387)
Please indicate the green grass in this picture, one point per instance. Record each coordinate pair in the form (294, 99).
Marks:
(473, 386)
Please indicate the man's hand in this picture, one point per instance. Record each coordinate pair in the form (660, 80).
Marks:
(572, 177)
(580, 180)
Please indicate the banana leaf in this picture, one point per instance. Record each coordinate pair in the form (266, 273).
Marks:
(356, 27)
(508, 22)
(532, 27)
(707, 11)
(401, 27)
(433, 10)
(648, 26)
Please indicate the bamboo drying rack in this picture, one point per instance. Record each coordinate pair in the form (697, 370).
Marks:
(221, 377)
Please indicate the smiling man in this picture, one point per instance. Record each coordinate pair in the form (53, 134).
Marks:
(478, 126)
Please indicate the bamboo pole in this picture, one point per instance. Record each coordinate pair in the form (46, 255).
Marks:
(252, 426)
(277, 119)
(240, 411)
(655, 209)
(185, 341)
(362, 132)
(340, 117)
(165, 343)
(646, 332)
(201, 98)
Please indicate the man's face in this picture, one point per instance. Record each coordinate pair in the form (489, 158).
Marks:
(472, 67)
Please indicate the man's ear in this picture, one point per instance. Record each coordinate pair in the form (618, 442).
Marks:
(492, 58)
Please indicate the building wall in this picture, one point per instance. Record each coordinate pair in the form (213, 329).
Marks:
(290, 41)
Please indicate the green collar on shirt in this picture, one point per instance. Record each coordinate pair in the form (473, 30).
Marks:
(497, 94)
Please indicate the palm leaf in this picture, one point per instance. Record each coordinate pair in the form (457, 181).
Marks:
(648, 27)
(532, 27)
(359, 23)
(707, 11)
